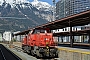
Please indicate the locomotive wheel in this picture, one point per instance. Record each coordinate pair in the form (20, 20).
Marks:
(56, 55)
(38, 55)
(32, 53)
(24, 50)
(27, 50)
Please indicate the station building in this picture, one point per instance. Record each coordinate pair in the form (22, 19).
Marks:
(7, 36)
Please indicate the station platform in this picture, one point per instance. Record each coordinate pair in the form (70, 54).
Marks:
(67, 53)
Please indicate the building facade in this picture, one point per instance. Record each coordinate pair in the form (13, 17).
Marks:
(7, 36)
(1, 37)
(66, 8)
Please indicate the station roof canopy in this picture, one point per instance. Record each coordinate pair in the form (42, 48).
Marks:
(80, 19)
(22, 33)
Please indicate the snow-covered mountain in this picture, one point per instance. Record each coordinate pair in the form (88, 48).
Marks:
(38, 4)
(24, 14)
(45, 9)
(41, 5)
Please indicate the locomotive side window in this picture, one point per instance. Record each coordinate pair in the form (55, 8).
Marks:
(42, 31)
(39, 31)
(36, 31)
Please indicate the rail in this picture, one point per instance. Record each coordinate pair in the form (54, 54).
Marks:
(2, 55)
(19, 49)
(6, 54)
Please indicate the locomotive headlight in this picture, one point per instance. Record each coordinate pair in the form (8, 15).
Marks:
(46, 39)
(47, 47)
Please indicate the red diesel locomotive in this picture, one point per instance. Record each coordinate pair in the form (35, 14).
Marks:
(40, 42)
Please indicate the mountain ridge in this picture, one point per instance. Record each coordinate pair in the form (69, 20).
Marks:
(22, 16)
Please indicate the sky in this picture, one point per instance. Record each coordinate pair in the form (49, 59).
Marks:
(48, 1)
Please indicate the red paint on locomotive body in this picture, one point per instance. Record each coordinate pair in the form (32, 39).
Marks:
(39, 38)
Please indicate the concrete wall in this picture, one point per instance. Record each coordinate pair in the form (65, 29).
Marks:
(73, 54)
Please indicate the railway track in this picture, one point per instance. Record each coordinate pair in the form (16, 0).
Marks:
(2, 57)
(6, 54)
(19, 49)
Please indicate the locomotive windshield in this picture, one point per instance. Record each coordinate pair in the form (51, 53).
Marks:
(34, 31)
(39, 31)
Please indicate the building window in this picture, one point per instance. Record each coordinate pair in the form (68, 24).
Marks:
(76, 29)
(73, 28)
(65, 29)
(87, 7)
